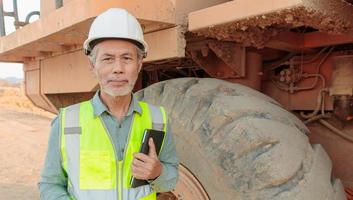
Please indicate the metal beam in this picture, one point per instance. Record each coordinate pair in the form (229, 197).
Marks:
(235, 11)
(165, 44)
(85, 10)
(219, 59)
(297, 42)
(287, 41)
(318, 39)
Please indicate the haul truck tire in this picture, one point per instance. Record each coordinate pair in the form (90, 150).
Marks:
(237, 143)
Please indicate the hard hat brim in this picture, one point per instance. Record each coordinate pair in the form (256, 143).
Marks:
(90, 43)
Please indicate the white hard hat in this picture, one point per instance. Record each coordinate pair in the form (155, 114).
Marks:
(115, 23)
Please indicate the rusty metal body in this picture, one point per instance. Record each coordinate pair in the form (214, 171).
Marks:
(298, 52)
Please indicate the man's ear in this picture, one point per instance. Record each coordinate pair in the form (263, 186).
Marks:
(91, 66)
(92, 69)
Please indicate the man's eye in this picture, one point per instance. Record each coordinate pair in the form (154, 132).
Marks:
(127, 58)
(107, 59)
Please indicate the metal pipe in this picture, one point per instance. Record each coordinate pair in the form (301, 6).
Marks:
(295, 89)
(296, 62)
(2, 22)
(285, 61)
(318, 106)
(336, 130)
(278, 63)
(317, 117)
(15, 14)
(30, 15)
(316, 76)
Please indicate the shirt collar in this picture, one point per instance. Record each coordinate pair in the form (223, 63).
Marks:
(99, 107)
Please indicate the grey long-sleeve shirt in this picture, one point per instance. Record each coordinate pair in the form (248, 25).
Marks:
(53, 181)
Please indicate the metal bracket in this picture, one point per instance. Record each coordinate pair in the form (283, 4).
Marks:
(218, 58)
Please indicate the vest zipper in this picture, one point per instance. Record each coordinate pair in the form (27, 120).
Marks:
(125, 150)
(115, 154)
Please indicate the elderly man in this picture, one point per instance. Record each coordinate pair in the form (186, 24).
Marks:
(93, 147)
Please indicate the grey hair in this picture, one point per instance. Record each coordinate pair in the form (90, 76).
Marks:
(140, 54)
(93, 55)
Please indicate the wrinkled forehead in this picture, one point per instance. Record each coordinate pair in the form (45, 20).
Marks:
(116, 47)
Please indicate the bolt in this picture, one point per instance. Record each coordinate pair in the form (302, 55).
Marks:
(288, 78)
(204, 52)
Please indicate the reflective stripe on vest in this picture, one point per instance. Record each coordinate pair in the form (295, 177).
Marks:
(89, 156)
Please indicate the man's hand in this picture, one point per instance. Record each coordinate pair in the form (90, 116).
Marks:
(147, 167)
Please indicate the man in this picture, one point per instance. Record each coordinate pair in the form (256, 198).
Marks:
(93, 147)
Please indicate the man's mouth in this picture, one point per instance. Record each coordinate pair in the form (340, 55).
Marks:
(117, 82)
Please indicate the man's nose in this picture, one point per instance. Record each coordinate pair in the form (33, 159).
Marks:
(118, 66)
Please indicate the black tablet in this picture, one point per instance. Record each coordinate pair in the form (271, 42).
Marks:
(157, 137)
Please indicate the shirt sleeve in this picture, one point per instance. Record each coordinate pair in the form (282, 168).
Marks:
(53, 181)
(170, 161)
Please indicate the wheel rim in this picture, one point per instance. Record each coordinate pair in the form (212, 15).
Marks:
(187, 188)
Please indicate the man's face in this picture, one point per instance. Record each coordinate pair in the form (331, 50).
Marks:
(117, 67)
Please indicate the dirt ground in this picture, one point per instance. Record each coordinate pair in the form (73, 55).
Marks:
(24, 132)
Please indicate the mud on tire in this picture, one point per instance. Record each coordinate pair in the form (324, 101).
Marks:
(240, 144)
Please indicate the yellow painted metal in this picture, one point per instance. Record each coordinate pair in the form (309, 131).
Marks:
(69, 26)
(33, 91)
(57, 32)
(168, 43)
(236, 10)
(54, 42)
(67, 73)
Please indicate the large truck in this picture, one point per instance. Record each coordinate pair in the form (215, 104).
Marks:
(259, 92)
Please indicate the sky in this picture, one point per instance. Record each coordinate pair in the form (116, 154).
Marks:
(24, 7)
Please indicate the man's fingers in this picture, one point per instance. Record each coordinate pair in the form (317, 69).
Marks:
(138, 172)
(138, 163)
(152, 151)
(142, 157)
(146, 169)
(146, 166)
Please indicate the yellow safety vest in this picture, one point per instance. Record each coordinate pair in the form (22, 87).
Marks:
(89, 156)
